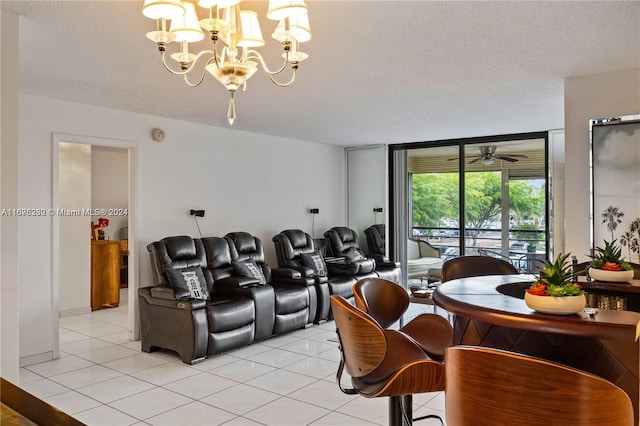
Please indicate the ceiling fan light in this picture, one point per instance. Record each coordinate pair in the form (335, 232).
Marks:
(487, 161)
(167, 9)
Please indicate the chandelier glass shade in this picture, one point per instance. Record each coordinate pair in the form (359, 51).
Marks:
(239, 31)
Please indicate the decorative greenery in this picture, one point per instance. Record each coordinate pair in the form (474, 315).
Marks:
(555, 279)
(609, 258)
(631, 238)
(611, 216)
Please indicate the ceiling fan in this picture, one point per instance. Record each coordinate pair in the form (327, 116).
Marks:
(488, 155)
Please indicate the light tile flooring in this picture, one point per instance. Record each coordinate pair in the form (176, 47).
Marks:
(101, 378)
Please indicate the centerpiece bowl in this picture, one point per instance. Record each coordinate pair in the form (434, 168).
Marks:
(553, 291)
(610, 276)
(607, 264)
(562, 305)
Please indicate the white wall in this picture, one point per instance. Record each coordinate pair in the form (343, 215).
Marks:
(110, 186)
(74, 185)
(9, 294)
(244, 181)
(366, 189)
(588, 97)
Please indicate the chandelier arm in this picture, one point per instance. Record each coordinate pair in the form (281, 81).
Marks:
(252, 54)
(273, 80)
(190, 67)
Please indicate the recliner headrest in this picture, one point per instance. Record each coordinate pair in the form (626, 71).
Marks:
(180, 247)
(299, 239)
(243, 241)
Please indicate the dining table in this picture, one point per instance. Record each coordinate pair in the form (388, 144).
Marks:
(490, 311)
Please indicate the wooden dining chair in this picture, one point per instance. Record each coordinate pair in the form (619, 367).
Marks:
(387, 301)
(475, 266)
(487, 386)
(383, 362)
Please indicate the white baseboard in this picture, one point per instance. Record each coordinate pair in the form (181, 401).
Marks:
(35, 359)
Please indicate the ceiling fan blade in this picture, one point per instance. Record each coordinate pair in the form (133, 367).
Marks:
(504, 157)
(513, 155)
(450, 159)
(478, 158)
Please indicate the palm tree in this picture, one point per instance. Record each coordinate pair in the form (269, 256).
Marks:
(634, 241)
(626, 239)
(611, 216)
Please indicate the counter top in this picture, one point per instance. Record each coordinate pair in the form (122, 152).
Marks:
(499, 300)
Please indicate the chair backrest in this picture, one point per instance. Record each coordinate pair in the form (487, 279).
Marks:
(290, 244)
(177, 252)
(340, 240)
(362, 340)
(475, 266)
(245, 246)
(384, 300)
(505, 388)
(375, 238)
(427, 250)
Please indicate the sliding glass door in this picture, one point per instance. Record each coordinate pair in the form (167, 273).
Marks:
(485, 196)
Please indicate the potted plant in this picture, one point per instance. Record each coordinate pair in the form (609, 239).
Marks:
(554, 291)
(607, 264)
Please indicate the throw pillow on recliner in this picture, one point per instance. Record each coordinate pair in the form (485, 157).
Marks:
(189, 283)
(316, 262)
(353, 254)
(250, 269)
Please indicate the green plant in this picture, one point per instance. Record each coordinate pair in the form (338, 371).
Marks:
(631, 238)
(555, 279)
(609, 258)
(611, 216)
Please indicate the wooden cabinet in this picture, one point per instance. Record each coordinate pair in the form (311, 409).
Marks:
(105, 274)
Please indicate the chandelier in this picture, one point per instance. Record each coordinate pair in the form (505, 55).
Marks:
(238, 29)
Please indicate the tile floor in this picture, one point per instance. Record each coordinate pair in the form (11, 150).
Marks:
(101, 378)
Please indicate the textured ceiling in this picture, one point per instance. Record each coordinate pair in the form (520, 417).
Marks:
(379, 71)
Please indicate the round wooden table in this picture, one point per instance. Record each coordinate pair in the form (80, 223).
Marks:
(490, 311)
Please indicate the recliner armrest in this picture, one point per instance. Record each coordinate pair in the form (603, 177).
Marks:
(236, 281)
(165, 297)
(378, 257)
(288, 273)
(388, 264)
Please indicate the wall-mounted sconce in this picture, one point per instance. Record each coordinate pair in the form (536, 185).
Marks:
(376, 210)
(314, 212)
(196, 214)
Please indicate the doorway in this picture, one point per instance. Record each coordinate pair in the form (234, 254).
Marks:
(73, 223)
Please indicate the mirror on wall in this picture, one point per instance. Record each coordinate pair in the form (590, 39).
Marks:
(615, 183)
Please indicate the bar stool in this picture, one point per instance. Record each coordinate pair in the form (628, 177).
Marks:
(495, 387)
(383, 363)
(386, 301)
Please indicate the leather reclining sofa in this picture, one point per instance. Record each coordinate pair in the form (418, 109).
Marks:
(345, 263)
(225, 296)
(214, 294)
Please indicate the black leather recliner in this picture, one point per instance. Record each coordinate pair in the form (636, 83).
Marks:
(295, 295)
(376, 241)
(228, 282)
(193, 328)
(291, 245)
(342, 243)
(339, 282)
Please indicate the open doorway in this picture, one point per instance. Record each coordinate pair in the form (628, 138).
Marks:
(93, 182)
